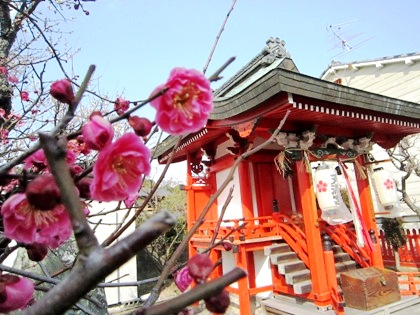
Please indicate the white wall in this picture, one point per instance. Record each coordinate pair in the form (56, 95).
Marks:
(127, 272)
(234, 209)
(262, 269)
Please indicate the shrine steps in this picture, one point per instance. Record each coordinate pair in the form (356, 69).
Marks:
(286, 305)
(294, 270)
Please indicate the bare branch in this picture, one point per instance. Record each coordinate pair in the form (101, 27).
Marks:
(218, 37)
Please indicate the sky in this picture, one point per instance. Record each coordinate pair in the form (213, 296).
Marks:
(135, 43)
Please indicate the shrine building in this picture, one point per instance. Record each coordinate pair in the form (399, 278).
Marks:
(298, 211)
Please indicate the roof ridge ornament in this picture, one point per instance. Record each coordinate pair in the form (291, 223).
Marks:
(274, 49)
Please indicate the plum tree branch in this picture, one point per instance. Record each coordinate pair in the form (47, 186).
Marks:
(100, 262)
(199, 292)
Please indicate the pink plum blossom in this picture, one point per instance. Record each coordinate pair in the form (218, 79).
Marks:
(62, 90)
(78, 146)
(24, 96)
(183, 279)
(27, 224)
(121, 105)
(37, 160)
(187, 104)
(118, 171)
(13, 79)
(98, 132)
(130, 200)
(3, 71)
(15, 292)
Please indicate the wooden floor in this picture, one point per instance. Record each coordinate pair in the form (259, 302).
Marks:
(283, 305)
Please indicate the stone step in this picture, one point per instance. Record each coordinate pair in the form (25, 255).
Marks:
(302, 287)
(290, 266)
(337, 249)
(340, 257)
(278, 258)
(297, 276)
(345, 266)
(276, 249)
(282, 304)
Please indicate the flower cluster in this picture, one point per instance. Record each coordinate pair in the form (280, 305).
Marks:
(5, 73)
(33, 214)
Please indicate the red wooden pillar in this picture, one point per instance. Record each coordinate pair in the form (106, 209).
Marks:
(368, 213)
(243, 284)
(191, 214)
(320, 290)
(245, 189)
(215, 256)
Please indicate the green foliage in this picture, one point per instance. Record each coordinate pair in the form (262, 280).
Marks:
(394, 232)
(169, 197)
(175, 201)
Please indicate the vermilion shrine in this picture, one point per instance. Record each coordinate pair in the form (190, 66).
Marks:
(291, 240)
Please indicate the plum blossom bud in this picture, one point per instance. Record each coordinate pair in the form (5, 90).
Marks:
(75, 169)
(84, 187)
(43, 192)
(141, 126)
(36, 252)
(218, 303)
(121, 105)
(24, 96)
(15, 293)
(227, 246)
(13, 79)
(62, 91)
(98, 132)
(200, 267)
(183, 279)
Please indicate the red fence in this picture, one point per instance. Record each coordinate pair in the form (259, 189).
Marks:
(409, 254)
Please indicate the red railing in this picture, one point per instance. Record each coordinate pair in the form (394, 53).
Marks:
(409, 283)
(345, 237)
(409, 255)
(239, 229)
(294, 236)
